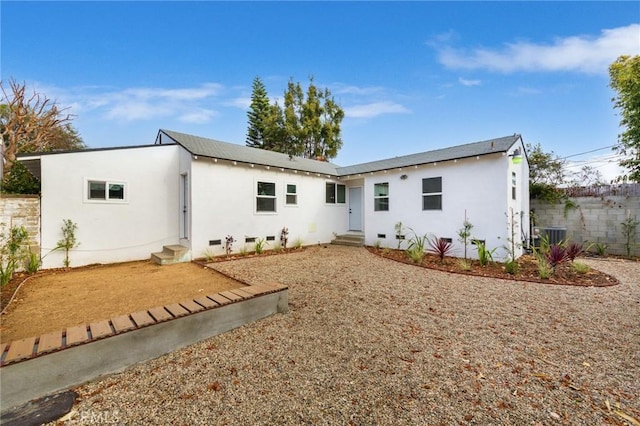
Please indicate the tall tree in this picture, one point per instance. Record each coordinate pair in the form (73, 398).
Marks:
(625, 80)
(544, 167)
(312, 121)
(307, 125)
(32, 123)
(258, 115)
(546, 173)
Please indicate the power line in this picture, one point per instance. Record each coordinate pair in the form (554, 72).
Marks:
(587, 152)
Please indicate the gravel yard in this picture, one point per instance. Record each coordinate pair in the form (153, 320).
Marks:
(372, 341)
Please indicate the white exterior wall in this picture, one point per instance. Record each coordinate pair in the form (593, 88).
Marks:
(223, 203)
(477, 186)
(519, 206)
(110, 232)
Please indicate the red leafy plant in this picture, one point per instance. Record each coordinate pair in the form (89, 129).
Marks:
(574, 250)
(440, 247)
(557, 254)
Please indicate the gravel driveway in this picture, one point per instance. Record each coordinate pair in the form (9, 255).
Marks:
(371, 341)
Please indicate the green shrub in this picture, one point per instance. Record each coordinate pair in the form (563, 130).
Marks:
(512, 267)
(416, 247)
(32, 262)
(545, 270)
(484, 254)
(580, 268)
(259, 245)
(12, 252)
(601, 248)
(464, 264)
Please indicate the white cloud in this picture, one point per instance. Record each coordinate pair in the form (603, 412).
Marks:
(200, 116)
(242, 102)
(341, 88)
(466, 82)
(585, 54)
(374, 109)
(188, 104)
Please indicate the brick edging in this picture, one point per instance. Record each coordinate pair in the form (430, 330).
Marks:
(33, 347)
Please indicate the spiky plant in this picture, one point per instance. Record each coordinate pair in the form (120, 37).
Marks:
(440, 247)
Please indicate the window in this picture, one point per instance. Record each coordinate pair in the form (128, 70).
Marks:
(513, 185)
(381, 197)
(266, 197)
(291, 197)
(432, 193)
(335, 193)
(100, 190)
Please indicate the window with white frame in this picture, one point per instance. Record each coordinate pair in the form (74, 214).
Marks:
(266, 197)
(432, 193)
(291, 196)
(513, 185)
(381, 197)
(335, 193)
(103, 190)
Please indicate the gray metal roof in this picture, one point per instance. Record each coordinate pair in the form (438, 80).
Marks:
(490, 146)
(228, 151)
(244, 154)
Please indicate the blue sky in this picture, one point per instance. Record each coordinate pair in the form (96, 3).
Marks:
(411, 76)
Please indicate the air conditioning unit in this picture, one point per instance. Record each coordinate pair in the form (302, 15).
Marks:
(554, 234)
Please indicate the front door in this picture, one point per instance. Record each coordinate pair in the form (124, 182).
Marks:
(355, 208)
(184, 207)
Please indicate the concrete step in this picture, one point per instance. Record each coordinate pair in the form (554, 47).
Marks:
(355, 240)
(171, 254)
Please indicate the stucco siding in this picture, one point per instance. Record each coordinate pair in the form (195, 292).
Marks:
(477, 186)
(110, 231)
(224, 203)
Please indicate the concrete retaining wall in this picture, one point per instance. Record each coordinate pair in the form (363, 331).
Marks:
(595, 219)
(27, 373)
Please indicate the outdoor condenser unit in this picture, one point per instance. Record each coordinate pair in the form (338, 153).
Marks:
(554, 234)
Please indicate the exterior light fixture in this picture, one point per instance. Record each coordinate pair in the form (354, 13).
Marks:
(516, 157)
(403, 177)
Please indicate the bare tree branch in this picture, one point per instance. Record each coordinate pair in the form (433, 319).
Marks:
(27, 124)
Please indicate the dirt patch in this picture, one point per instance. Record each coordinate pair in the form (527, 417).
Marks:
(55, 299)
(527, 270)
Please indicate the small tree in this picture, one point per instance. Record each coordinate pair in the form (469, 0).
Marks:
(12, 252)
(464, 234)
(69, 239)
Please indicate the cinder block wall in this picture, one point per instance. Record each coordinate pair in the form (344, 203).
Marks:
(21, 210)
(595, 219)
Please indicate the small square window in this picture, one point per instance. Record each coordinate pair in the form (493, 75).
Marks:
(291, 196)
(97, 190)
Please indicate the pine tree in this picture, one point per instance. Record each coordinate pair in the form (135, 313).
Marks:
(258, 115)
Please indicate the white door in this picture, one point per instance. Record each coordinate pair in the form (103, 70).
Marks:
(355, 209)
(184, 207)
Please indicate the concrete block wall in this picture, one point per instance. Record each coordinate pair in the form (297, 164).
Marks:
(595, 219)
(21, 210)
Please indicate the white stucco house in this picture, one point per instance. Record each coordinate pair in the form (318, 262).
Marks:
(131, 201)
